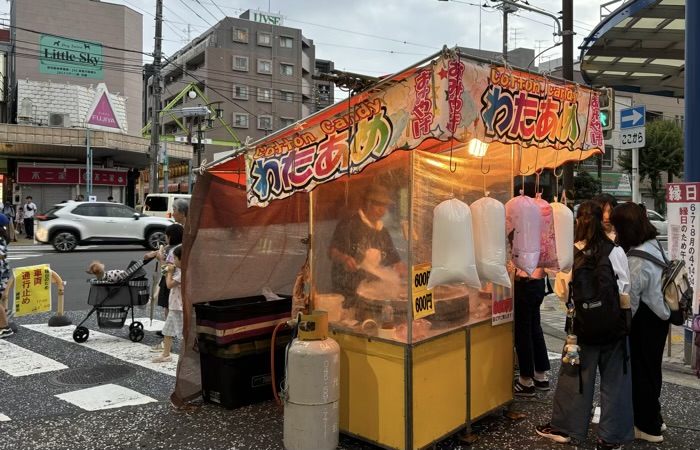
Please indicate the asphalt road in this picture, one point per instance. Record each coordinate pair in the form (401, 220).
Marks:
(72, 266)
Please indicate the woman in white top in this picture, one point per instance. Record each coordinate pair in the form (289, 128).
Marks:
(573, 398)
(649, 321)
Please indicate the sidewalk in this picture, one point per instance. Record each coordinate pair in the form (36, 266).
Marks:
(553, 315)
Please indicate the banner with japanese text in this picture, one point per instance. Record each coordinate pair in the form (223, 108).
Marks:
(683, 215)
(32, 289)
(449, 100)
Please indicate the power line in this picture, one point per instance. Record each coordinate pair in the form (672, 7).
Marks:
(207, 10)
(196, 13)
(217, 7)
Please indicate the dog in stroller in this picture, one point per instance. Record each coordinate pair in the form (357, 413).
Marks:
(112, 295)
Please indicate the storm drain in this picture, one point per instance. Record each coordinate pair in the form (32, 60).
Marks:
(91, 376)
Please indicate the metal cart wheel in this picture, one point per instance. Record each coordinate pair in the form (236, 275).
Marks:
(81, 334)
(136, 334)
(134, 325)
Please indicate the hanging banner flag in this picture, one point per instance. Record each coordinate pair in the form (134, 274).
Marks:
(450, 98)
(32, 289)
(683, 200)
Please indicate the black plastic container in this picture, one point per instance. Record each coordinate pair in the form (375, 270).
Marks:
(239, 374)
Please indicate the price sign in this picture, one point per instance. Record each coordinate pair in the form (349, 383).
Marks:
(633, 138)
(501, 305)
(421, 296)
(32, 289)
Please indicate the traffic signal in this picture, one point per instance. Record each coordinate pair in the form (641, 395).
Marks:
(607, 111)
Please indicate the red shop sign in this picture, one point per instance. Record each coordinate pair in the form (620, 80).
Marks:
(104, 177)
(48, 175)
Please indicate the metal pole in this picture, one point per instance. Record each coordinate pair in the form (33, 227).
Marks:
(692, 89)
(166, 187)
(479, 27)
(505, 32)
(635, 175)
(155, 122)
(568, 74)
(189, 176)
(199, 142)
(88, 172)
(600, 172)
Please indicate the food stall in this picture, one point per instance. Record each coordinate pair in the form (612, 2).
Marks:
(420, 359)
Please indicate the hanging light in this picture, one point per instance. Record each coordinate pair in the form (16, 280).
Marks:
(478, 148)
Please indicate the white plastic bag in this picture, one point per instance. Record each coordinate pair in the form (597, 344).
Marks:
(524, 228)
(564, 229)
(548, 246)
(489, 221)
(453, 246)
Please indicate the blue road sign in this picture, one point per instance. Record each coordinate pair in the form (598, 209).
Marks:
(633, 117)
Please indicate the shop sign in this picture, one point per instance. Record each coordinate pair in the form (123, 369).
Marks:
(101, 114)
(616, 184)
(32, 289)
(501, 305)
(70, 57)
(450, 99)
(69, 175)
(683, 203)
(263, 17)
(421, 296)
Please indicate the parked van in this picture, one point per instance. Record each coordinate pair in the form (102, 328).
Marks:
(161, 205)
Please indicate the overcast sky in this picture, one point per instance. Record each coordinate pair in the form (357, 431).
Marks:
(376, 37)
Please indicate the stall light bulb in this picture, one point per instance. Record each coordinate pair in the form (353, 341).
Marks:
(477, 148)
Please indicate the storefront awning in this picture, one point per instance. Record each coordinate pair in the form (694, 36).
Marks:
(639, 47)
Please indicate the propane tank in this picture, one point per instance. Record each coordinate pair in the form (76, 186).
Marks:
(312, 387)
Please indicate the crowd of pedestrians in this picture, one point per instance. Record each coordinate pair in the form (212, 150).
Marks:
(624, 347)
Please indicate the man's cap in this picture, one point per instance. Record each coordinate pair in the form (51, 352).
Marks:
(379, 194)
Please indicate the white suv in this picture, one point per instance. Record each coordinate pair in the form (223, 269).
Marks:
(67, 225)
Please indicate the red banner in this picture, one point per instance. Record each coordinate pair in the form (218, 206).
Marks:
(69, 175)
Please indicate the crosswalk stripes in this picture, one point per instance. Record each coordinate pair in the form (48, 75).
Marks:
(116, 347)
(106, 396)
(4, 418)
(19, 362)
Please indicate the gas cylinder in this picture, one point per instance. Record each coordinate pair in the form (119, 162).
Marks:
(312, 387)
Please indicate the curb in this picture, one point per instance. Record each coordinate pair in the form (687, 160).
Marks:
(673, 367)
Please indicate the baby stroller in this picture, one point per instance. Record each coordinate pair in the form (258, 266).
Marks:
(112, 302)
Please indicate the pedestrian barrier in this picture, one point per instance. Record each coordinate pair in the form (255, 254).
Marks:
(57, 320)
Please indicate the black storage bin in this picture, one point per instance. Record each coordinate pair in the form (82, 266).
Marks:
(239, 374)
(225, 322)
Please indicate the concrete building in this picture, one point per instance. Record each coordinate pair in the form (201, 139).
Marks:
(254, 69)
(74, 65)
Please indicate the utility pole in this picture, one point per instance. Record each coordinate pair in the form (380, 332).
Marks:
(568, 73)
(505, 31)
(200, 145)
(155, 122)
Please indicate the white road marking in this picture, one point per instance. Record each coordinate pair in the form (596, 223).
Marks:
(116, 347)
(596, 415)
(4, 418)
(19, 362)
(19, 256)
(106, 396)
(157, 325)
(553, 356)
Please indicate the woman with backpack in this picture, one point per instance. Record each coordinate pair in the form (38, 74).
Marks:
(600, 284)
(650, 318)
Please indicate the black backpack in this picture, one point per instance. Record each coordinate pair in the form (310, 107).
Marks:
(598, 318)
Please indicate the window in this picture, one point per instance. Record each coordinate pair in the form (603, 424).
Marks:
(264, 122)
(264, 66)
(89, 210)
(121, 211)
(265, 95)
(156, 203)
(680, 120)
(240, 92)
(240, 35)
(240, 120)
(286, 42)
(240, 63)
(287, 96)
(264, 39)
(286, 69)
(608, 159)
(286, 121)
(652, 215)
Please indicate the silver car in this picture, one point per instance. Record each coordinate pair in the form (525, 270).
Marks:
(67, 225)
(659, 222)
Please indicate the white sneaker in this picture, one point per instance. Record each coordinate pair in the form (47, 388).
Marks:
(638, 434)
(5, 332)
(664, 427)
(162, 359)
(158, 348)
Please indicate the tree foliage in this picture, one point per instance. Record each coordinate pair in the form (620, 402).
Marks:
(585, 186)
(663, 152)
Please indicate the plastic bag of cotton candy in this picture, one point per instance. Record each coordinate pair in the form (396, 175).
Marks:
(564, 230)
(489, 222)
(524, 228)
(453, 246)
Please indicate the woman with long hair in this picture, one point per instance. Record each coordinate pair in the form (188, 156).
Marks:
(573, 397)
(650, 318)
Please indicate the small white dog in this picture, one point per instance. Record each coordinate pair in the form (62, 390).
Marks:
(111, 276)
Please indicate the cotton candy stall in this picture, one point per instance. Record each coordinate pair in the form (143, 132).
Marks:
(524, 228)
(564, 230)
(453, 259)
(548, 247)
(489, 222)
